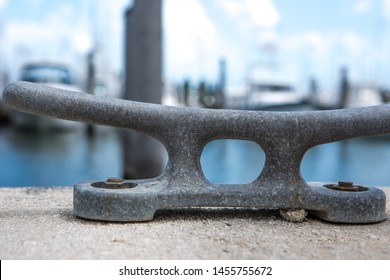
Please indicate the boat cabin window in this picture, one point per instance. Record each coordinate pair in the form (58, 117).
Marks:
(271, 88)
(47, 74)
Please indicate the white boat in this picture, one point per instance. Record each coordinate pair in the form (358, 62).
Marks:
(269, 85)
(364, 96)
(50, 74)
(267, 91)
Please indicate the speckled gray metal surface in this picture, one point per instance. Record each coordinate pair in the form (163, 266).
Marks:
(284, 137)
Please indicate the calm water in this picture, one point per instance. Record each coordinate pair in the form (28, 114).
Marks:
(63, 159)
(362, 160)
(57, 159)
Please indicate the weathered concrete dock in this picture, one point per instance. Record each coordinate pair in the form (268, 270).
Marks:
(38, 223)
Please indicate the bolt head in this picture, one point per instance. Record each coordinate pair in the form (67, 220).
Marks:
(345, 183)
(114, 180)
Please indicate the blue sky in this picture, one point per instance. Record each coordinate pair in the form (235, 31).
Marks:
(309, 38)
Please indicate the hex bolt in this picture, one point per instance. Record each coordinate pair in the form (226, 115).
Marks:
(114, 183)
(345, 184)
(115, 180)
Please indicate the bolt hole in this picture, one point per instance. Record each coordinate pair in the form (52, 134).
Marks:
(114, 186)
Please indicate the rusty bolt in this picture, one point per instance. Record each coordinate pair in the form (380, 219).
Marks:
(114, 180)
(114, 183)
(347, 186)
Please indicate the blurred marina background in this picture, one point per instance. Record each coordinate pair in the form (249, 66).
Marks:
(221, 54)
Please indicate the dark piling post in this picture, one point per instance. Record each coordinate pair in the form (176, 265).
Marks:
(142, 156)
(91, 82)
(344, 87)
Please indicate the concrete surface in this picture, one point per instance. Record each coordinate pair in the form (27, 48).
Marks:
(37, 223)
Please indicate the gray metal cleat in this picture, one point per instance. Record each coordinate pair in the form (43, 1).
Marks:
(284, 137)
